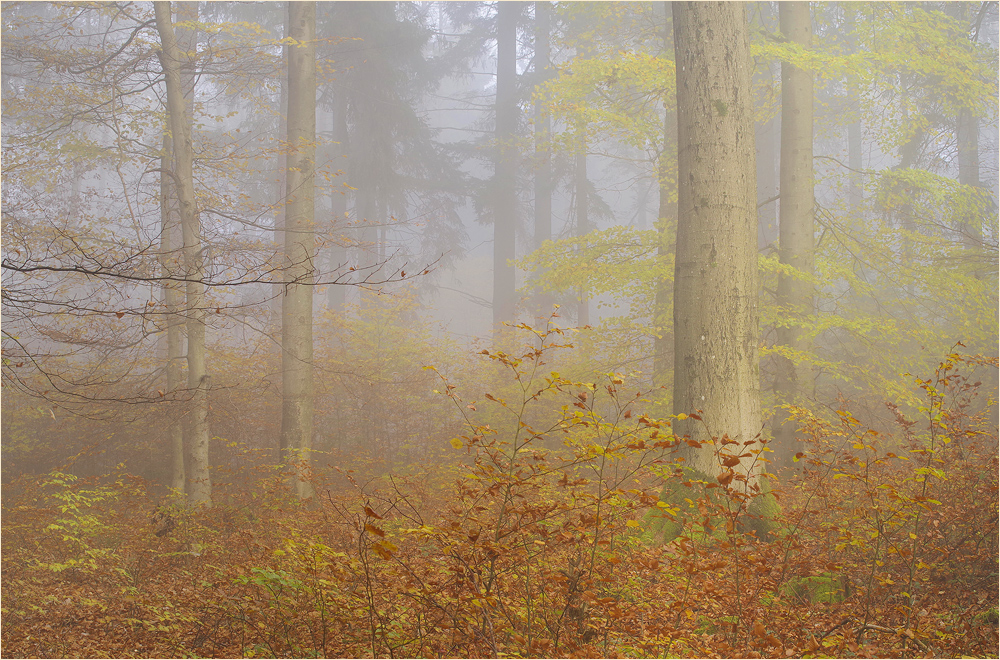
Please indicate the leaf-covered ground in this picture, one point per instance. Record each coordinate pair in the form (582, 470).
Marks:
(578, 535)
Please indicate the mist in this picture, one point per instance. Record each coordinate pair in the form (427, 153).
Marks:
(541, 326)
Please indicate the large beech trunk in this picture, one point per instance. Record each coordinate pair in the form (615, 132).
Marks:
(716, 331)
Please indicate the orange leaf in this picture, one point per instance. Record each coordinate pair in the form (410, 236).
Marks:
(731, 461)
(374, 530)
(758, 629)
(372, 514)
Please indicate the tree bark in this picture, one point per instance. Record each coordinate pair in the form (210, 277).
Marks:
(277, 290)
(796, 233)
(298, 271)
(505, 178)
(582, 220)
(335, 294)
(767, 153)
(171, 245)
(854, 146)
(715, 284)
(199, 483)
(543, 148)
(666, 227)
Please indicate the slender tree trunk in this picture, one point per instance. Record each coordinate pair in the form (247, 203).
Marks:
(335, 297)
(171, 245)
(967, 132)
(505, 178)
(854, 146)
(277, 290)
(199, 480)
(582, 220)
(767, 153)
(715, 283)
(767, 182)
(971, 227)
(299, 269)
(909, 153)
(543, 149)
(796, 232)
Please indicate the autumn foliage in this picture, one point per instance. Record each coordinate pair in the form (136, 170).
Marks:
(536, 531)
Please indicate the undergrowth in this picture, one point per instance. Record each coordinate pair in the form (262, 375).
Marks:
(539, 533)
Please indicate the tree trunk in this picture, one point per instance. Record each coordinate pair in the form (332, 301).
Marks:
(666, 227)
(505, 211)
(281, 183)
(199, 480)
(795, 229)
(854, 146)
(767, 153)
(543, 149)
(173, 303)
(298, 271)
(335, 297)
(582, 220)
(715, 283)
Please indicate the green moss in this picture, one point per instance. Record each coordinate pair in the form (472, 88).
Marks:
(825, 588)
(990, 616)
(678, 509)
(764, 512)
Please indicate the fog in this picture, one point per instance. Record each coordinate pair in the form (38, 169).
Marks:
(408, 203)
(511, 329)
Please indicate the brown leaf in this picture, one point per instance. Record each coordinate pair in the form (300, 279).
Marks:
(371, 513)
(374, 530)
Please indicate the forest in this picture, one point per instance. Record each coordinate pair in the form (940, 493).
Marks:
(499, 329)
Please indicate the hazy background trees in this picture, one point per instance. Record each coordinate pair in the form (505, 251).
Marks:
(474, 164)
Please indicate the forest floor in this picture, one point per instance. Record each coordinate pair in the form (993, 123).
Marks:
(103, 570)
(872, 545)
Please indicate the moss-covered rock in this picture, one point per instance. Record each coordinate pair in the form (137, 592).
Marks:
(764, 512)
(825, 588)
(685, 501)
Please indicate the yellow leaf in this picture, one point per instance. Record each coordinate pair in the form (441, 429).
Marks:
(456, 443)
